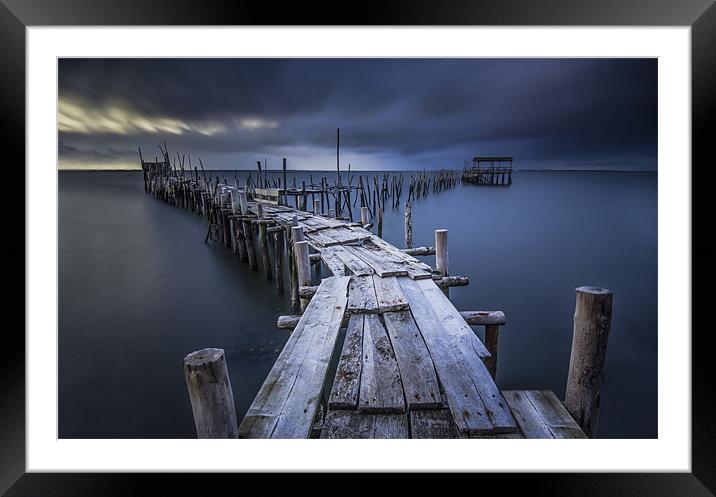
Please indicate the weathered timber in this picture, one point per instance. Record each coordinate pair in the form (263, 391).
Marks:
(483, 318)
(389, 294)
(361, 295)
(475, 401)
(419, 251)
(346, 384)
(357, 425)
(286, 404)
(212, 400)
(539, 414)
(381, 390)
(592, 322)
(420, 381)
(432, 423)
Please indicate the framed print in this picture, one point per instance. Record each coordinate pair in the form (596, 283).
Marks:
(465, 232)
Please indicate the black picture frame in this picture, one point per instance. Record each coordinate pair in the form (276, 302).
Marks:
(15, 15)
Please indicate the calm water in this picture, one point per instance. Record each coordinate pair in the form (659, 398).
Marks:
(138, 290)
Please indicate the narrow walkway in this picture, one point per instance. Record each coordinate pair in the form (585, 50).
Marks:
(410, 366)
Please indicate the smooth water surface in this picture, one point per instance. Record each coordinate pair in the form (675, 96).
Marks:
(139, 289)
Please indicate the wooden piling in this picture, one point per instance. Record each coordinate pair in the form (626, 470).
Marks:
(263, 245)
(592, 323)
(249, 240)
(212, 400)
(441, 255)
(303, 265)
(278, 260)
(408, 226)
(380, 222)
(364, 216)
(492, 333)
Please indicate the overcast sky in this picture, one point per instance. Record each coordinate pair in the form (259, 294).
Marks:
(393, 113)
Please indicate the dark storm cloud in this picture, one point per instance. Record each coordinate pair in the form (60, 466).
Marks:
(404, 113)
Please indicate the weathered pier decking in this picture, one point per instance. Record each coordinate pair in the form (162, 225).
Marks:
(409, 366)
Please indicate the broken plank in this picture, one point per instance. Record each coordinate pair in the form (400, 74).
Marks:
(420, 382)
(281, 409)
(381, 390)
(346, 384)
(354, 424)
(389, 294)
(361, 295)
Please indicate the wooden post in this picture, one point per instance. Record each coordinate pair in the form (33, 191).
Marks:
(380, 222)
(317, 207)
(492, 333)
(263, 245)
(303, 265)
(244, 203)
(592, 322)
(212, 400)
(441, 255)
(285, 183)
(408, 226)
(364, 216)
(250, 248)
(278, 260)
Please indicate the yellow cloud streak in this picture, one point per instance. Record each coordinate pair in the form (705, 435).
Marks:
(76, 118)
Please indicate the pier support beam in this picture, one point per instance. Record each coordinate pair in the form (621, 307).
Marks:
(408, 226)
(441, 255)
(212, 400)
(364, 216)
(278, 260)
(592, 323)
(303, 265)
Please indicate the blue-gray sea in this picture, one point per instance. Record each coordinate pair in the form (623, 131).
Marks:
(139, 289)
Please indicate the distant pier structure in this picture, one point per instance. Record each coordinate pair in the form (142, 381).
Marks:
(488, 171)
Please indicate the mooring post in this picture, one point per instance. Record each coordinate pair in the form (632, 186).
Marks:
(408, 226)
(303, 265)
(317, 207)
(592, 322)
(331, 213)
(441, 256)
(364, 216)
(212, 400)
(285, 183)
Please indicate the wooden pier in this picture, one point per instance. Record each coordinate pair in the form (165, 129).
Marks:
(410, 365)
(488, 171)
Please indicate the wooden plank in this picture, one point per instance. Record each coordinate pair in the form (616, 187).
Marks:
(475, 401)
(389, 294)
(286, 403)
(470, 348)
(354, 424)
(552, 413)
(346, 384)
(381, 267)
(432, 423)
(528, 418)
(420, 382)
(322, 238)
(361, 295)
(334, 263)
(354, 264)
(381, 390)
